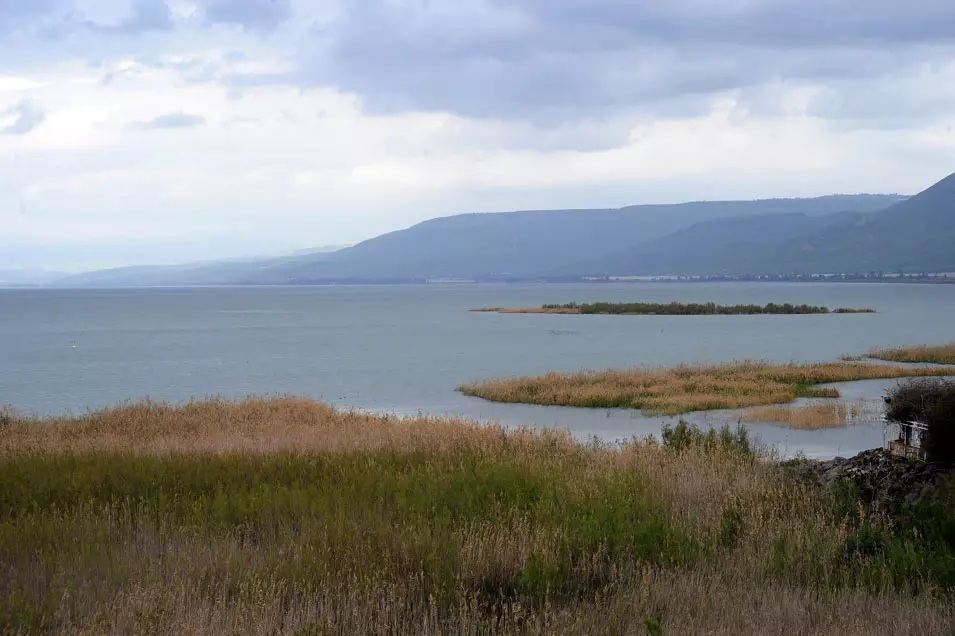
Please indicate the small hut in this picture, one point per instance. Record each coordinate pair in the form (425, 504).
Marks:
(908, 436)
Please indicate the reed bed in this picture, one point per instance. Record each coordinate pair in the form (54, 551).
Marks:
(250, 426)
(937, 354)
(284, 516)
(819, 415)
(687, 388)
(526, 310)
(673, 309)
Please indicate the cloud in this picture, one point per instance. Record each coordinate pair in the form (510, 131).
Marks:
(15, 13)
(172, 120)
(335, 120)
(26, 116)
(563, 59)
(254, 15)
(147, 15)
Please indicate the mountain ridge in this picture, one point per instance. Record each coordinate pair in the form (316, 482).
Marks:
(765, 236)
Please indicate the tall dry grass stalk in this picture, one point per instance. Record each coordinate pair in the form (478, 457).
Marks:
(821, 415)
(285, 516)
(687, 388)
(252, 425)
(937, 354)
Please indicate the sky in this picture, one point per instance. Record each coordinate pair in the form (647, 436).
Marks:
(152, 131)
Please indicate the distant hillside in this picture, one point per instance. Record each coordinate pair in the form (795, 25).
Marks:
(915, 235)
(28, 277)
(688, 238)
(724, 246)
(527, 244)
(226, 272)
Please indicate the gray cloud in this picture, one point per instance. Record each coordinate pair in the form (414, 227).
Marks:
(28, 117)
(552, 60)
(59, 20)
(148, 15)
(172, 120)
(15, 13)
(254, 15)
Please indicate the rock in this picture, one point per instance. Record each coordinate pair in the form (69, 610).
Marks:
(885, 482)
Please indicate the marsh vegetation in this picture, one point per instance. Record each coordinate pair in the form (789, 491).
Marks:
(286, 516)
(936, 354)
(817, 415)
(673, 309)
(687, 388)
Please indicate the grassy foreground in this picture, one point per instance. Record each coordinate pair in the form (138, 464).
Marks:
(673, 309)
(687, 388)
(938, 354)
(286, 516)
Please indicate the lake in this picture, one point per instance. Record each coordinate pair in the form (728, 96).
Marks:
(404, 349)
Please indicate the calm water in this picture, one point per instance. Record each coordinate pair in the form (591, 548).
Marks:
(404, 349)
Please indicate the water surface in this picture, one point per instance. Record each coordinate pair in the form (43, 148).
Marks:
(403, 349)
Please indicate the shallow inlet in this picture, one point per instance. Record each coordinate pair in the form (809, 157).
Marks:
(621, 424)
(404, 349)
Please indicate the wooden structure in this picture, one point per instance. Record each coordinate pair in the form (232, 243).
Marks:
(908, 443)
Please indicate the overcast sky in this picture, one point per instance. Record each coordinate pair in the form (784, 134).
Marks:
(151, 131)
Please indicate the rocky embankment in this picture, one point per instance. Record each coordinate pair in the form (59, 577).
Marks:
(885, 481)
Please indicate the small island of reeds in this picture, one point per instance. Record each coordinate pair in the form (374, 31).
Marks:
(688, 388)
(935, 354)
(674, 309)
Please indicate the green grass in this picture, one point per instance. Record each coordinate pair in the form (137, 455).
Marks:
(465, 529)
(394, 516)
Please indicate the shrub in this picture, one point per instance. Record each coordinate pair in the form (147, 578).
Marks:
(684, 435)
(7, 417)
(938, 440)
(911, 400)
(932, 402)
(864, 543)
(933, 515)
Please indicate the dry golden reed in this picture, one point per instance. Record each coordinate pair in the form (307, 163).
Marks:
(285, 516)
(252, 425)
(687, 388)
(937, 354)
(819, 415)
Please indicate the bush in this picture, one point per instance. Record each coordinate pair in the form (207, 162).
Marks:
(932, 402)
(938, 440)
(682, 436)
(911, 400)
(864, 543)
(7, 417)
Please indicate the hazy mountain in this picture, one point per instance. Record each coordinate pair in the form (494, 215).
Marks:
(526, 244)
(224, 272)
(915, 235)
(323, 249)
(724, 246)
(731, 237)
(28, 277)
